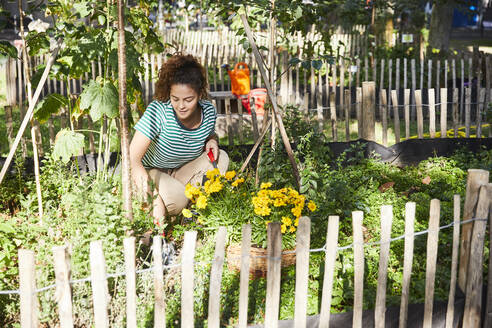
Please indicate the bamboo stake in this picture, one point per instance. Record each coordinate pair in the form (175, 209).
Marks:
(273, 100)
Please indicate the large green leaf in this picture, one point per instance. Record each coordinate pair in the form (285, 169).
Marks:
(7, 49)
(6, 228)
(67, 144)
(48, 106)
(102, 100)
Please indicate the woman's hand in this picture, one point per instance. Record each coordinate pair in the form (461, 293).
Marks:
(214, 145)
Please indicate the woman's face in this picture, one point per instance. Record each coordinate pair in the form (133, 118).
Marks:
(184, 100)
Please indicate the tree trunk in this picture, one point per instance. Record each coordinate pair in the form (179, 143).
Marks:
(440, 25)
(125, 146)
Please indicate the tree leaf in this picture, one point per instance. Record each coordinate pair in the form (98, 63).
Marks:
(317, 64)
(82, 9)
(7, 49)
(67, 144)
(102, 100)
(48, 106)
(6, 228)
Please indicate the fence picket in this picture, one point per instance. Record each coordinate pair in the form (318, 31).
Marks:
(159, 297)
(130, 279)
(467, 111)
(230, 135)
(357, 217)
(188, 279)
(347, 107)
(330, 258)
(406, 104)
(216, 279)
(27, 285)
(430, 269)
(396, 115)
(368, 110)
(420, 115)
(333, 117)
(480, 105)
(303, 239)
(358, 108)
(244, 278)
(432, 113)
(274, 252)
(100, 294)
(444, 113)
(384, 115)
(473, 298)
(61, 261)
(454, 261)
(407, 262)
(386, 222)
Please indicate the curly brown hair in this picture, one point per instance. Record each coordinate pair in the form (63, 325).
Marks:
(181, 69)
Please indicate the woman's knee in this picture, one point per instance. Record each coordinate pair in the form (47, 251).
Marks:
(175, 203)
(223, 161)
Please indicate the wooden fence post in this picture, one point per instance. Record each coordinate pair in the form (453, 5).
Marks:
(488, 309)
(406, 103)
(9, 125)
(100, 294)
(407, 262)
(357, 217)
(188, 279)
(330, 257)
(396, 115)
(303, 240)
(384, 115)
(430, 268)
(454, 261)
(27, 284)
(420, 114)
(131, 295)
(473, 296)
(358, 101)
(159, 297)
(432, 112)
(368, 110)
(475, 179)
(333, 117)
(63, 290)
(386, 222)
(347, 105)
(444, 113)
(274, 253)
(216, 279)
(244, 278)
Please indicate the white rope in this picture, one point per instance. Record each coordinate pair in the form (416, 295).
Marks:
(203, 263)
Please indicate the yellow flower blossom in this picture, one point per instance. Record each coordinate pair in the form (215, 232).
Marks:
(212, 173)
(263, 210)
(292, 229)
(206, 186)
(191, 191)
(186, 213)
(201, 202)
(215, 186)
(278, 202)
(230, 175)
(312, 206)
(283, 228)
(265, 185)
(236, 182)
(286, 220)
(296, 211)
(296, 222)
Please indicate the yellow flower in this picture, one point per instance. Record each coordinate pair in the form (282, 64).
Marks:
(191, 191)
(279, 202)
(296, 211)
(186, 213)
(237, 182)
(283, 228)
(263, 210)
(206, 186)
(292, 229)
(286, 220)
(215, 186)
(212, 173)
(296, 222)
(312, 206)
(265, 185)
(230, 175)
(201, 202)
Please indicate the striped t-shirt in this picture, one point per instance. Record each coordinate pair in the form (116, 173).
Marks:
(173, 145)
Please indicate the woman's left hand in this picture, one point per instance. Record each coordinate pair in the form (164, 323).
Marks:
(214, 145)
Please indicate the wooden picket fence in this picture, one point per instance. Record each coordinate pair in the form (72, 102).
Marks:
(468, 276)
(458, 89)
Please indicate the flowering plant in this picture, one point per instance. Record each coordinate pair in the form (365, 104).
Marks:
(229, 200)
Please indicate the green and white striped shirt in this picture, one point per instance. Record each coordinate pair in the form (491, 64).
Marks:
(173, 145)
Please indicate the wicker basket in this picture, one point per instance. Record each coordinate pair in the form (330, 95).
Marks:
(257, 260)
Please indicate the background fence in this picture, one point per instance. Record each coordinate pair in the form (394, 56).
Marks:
(468, 276)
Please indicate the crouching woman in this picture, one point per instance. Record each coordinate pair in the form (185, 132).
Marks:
(174, 135)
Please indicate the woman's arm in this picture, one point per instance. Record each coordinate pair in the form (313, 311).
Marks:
(212, 143)
(139, 145)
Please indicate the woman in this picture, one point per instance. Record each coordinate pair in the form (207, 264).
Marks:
(174, 135)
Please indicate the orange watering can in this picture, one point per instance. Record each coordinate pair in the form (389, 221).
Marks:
(239, 79)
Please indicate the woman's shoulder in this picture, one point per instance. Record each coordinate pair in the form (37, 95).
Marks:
(207, 106)
(159, 105)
